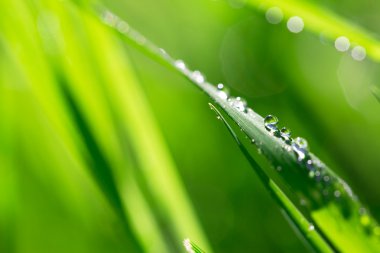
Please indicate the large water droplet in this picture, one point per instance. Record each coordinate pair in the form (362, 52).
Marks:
(239, 104)
(223, 92)
(197, 77)
(179, 64)
(342, 44)
(270, 123)
(274, 15)
(301, 142)
(109, 18)
(285, 135)
(295, 24)
(300, 147)
(358, 53)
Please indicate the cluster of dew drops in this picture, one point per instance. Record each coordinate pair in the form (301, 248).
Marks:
(330, 186)
(295, 24)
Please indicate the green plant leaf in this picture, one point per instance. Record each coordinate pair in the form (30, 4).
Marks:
(96, 142)
(191, 247)
(320, 195)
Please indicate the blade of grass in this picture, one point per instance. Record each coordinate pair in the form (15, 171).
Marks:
(301, 223)
(323, 196)
(114, 86)
(192, 247)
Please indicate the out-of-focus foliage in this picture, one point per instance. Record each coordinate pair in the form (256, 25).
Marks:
(79, 148)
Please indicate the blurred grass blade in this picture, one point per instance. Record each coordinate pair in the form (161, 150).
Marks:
(192, 247)
(323, 22)
(321, 195)
(58, 53)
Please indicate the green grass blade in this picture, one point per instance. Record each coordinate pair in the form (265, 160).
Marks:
(191, 247)
(90, 128)
(324, 197)
(302, 223)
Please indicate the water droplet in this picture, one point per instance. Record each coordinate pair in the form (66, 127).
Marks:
(109, 18)
(326, 178)
(342, 44)
(311, 227)
(301, 142)
(285, 135)
(179, 64)
(347, 189)
(270, 123)
(358, 53)
(279, 168)
(300, 148)
(253, 141)
(122, 27)
(197, 77)
(274, 15)
(223, 92)
(310, 164)
(287, 148)
(337, 193)
(239, 104)
(300, 153)
(295, 24)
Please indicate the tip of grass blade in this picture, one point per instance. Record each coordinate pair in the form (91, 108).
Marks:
(191, 247)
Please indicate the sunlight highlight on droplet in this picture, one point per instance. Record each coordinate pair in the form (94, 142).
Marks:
(358, 53)
(295, 24)
(180, 65)
(342, 44)
(274, 15)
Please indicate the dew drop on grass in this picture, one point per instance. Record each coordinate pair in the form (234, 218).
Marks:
(337, 193)
(342, 44)
(311, 227)
(270, 123)
(295, 24)
(358, 53)
(122, 27)
(285, 134)
(274, 15)
(179, 64)
(301, 142)
(300, 153)
(197, 77)
(223, 92)
(300, 148)
(239, 103)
